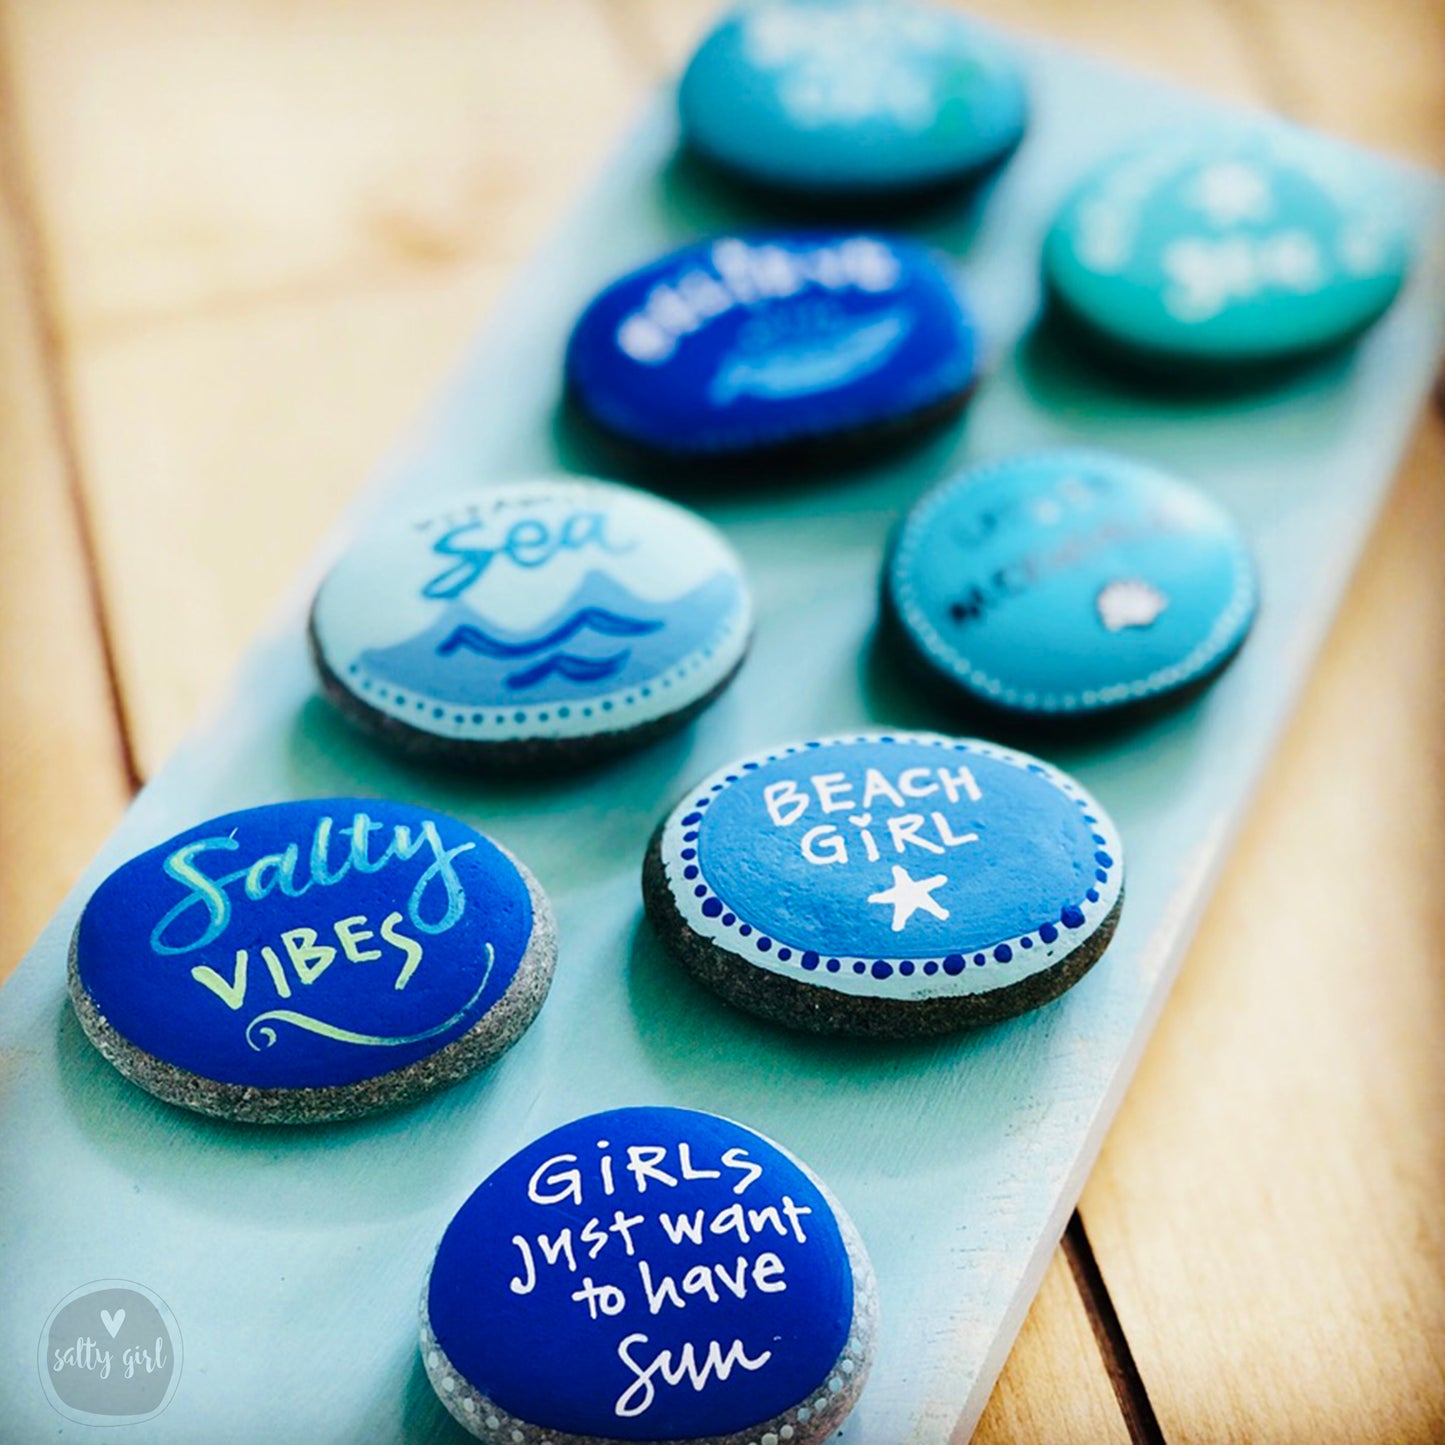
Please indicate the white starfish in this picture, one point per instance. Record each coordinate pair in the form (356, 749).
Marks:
(908, 895)
(1292, 259)
(1229, 192)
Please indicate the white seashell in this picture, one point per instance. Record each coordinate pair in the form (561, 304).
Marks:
(1129, 603)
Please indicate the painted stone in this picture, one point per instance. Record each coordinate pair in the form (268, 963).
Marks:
(857, 98)
(1070, 583)
(550, 620)
(744, 345)
(888, 884)
(311, 960)
(1215, 254)
(649, 1274)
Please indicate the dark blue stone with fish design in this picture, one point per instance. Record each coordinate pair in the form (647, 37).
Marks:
(750, 344)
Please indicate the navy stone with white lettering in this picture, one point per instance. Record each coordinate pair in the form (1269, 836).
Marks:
(745, 344)
(644, 1274)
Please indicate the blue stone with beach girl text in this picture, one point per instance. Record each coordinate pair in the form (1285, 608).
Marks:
(311, 960)
(886, 884)
(744, 345)
(654, 1274)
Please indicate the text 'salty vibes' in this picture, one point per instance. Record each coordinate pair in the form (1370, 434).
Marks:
(311, 960)
(657, 1274)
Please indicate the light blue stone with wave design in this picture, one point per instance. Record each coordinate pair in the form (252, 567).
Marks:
(602, 640)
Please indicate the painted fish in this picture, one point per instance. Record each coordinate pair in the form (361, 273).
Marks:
(802, 370)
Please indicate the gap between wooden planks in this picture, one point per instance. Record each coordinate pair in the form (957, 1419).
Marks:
(64, 778)
(252, 304)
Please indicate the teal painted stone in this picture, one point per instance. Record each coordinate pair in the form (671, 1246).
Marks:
(1211, 253)
(851, 98)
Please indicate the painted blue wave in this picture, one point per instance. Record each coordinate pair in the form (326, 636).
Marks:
(468, 660)
(574, 669)
(585, 619)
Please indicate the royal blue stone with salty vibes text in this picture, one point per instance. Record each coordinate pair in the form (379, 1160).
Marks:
(745, 343)
(614, 1212)
(305, 944)
(851, 97)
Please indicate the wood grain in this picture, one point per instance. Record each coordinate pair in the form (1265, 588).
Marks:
(255, 308)
(198, 158)
(1267, 1209)
(1373, 74)
(62, 771)
(255, 302)
(1267, 1206)
(1054, 1388)
(272, 227)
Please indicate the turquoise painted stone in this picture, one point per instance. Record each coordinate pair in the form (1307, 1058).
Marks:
(1070, 582)
(849, 98)
(1215, 254)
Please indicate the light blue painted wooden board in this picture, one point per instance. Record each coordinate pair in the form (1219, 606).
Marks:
(292, 1260)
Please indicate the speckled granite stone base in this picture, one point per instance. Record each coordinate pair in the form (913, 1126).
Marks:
(491, 1036)
(807, 1423)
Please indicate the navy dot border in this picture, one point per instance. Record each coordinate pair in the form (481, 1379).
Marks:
(1075, 923)
(671, 691)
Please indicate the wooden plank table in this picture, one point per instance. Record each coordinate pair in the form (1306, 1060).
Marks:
(242, 242)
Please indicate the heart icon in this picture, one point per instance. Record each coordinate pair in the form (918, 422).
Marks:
(112, 1322)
